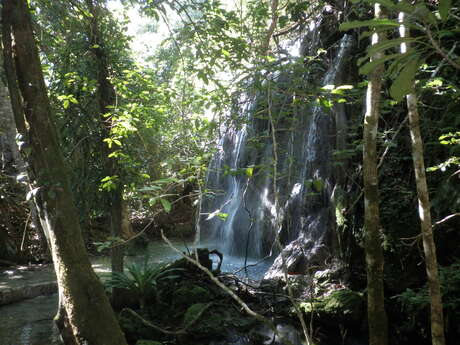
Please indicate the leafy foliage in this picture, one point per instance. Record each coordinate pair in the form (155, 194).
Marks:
(449, 139)
(416, 302)
(434, 33)
(143, 279)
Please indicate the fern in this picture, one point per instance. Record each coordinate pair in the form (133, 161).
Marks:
(142, 279)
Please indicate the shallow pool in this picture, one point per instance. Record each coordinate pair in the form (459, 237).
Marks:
(29, 322)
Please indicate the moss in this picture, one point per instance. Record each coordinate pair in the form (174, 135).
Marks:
(134, 329)
(341, 305)
(192, 312)
(148, 342)
(190, 294)
(215, 320)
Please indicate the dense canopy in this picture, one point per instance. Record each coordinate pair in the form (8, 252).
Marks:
(314, 144)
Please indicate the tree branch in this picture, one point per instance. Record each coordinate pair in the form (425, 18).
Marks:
(439, 49)
(165, 331)
(446, 219)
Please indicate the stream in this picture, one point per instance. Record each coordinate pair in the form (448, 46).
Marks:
(30, 322)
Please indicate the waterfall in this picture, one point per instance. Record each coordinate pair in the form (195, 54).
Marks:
(238, 213)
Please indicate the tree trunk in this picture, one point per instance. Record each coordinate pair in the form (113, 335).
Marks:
(90, 318)
(13, 163)
(373, 238)
(9, 150)
(106, 98)
(429, 247)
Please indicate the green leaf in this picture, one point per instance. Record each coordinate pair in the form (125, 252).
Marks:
(370, 66)
(166, 205)
(368, 23)
(423, 13)
(378, 30)
(109, 142)
(398, 64)
(404, 83)
(444, 7)
(166, 180)
(249, 171)
(381, 46)
(404, 6)
(222, 215)
(225, 53)
(437, 82)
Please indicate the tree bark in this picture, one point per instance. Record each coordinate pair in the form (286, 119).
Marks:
(271, 29)
(9, 150)
(14, 163)
(90, 318)
(106, 98)
(373, 237)
(429, 246)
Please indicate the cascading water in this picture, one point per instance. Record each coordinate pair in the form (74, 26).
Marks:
(241, 175)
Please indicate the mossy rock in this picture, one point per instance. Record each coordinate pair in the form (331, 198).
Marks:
(148, 342)
(190, 294)
(215, 320)
(192, 312)
(135, 329)
(344, 306)
(211, 322)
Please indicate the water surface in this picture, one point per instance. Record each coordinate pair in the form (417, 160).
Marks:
(29, 322)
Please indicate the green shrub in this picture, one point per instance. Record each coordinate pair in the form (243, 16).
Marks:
(142, 279)
(415, 303)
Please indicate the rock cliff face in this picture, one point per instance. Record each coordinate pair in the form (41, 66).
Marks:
(275, 173)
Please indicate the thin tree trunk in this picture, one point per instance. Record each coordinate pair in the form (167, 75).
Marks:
(429, 247)
(87, 308)
(106, 98)
(373, 238)
(271, 29)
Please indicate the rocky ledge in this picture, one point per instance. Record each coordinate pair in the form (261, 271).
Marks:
(16, 294)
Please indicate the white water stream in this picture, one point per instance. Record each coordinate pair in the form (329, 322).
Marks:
(306, 136)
